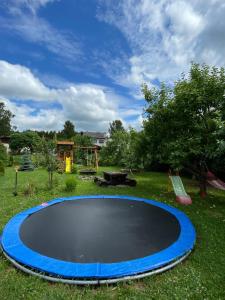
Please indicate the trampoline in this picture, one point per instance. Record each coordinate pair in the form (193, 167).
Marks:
(97, 239)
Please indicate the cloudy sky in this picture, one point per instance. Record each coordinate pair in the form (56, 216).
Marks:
(84, 60)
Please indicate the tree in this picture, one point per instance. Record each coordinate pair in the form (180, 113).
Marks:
(184, 125)
(48, 150)
(80, 141)
(68, 130)
(26, 163)
(5, 120)
(132, 156)
(123, 149)
(116, 125)
(114, 151)
(19, 140)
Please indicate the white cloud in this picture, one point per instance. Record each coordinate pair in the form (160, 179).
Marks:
(165, 36)
(17, 81)
(88, 106)
(27, 118)
(17, 6)
(23, 20)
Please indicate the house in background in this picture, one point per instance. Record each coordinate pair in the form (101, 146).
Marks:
(99, 139)
(5, 140)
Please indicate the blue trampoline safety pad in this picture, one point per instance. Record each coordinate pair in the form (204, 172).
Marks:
(14, 238)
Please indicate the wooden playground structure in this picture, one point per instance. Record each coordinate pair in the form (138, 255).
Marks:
(91, 155)
(65, 153)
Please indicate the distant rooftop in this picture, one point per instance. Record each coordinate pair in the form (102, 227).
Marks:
(97, 135)
(65, 143)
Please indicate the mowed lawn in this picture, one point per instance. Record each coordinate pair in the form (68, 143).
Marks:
(201, 276)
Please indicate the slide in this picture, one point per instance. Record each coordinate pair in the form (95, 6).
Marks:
(68, 165)
(181, 196)
(215, 182)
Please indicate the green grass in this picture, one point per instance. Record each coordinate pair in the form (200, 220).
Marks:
(201, 276)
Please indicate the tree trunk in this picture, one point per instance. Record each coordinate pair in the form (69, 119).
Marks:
(51, 179)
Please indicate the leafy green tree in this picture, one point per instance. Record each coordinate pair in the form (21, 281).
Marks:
(5, 120)
(48, 150)
(114, 151)
(184, 125)
(68, 130)
(116, 125)
(133, 156)
(123, 149)
(19, 140)
(80, 154)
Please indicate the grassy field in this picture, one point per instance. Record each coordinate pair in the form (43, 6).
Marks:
(201, 276)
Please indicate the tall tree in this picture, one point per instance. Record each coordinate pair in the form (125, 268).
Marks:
(115, 126)
(184, 126)
(5, 120)
(68, 130)
(19, 140)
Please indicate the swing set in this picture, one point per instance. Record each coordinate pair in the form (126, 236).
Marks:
(89, 154)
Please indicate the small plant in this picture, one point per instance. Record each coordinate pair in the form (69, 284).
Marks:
(55, 181)
(30, 189)
(2, 168)
(60, 166)
(10, 161)
(70, 184)
(74, 169)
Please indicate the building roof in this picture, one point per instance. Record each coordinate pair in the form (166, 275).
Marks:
(5, 139)
(97, 135)
(65, 143)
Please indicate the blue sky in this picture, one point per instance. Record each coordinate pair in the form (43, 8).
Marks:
(84, 60)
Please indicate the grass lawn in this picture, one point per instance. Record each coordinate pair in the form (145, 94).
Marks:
(201, 276)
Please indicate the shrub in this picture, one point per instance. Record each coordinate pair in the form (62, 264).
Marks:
(38, 160)
(3, 154)
(10, 161)
(30, 189)
(60, 166)
(70, 184)
(2, 168)
(16, 160)
(74, 169)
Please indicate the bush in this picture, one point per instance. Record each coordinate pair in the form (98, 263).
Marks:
(30, 189)
(60, 166)
(2, 168)
(3, 154)
(74, 169)
(16, 160)
(70, 184)
(10, 161)
(38, 160)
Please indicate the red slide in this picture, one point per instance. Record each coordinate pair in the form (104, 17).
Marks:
(215, 182)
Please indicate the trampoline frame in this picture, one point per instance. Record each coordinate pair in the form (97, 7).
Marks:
(95, 273)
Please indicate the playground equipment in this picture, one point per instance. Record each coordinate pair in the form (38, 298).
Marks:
(181, 196)
(65, 154)
(97, 239)
(90, 155)
(215, 182)
(68, 165)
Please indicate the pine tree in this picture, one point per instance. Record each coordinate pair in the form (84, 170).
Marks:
(26, 163)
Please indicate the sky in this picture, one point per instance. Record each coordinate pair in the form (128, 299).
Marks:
(85, 60)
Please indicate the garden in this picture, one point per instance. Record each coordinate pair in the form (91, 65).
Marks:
(183, 133)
